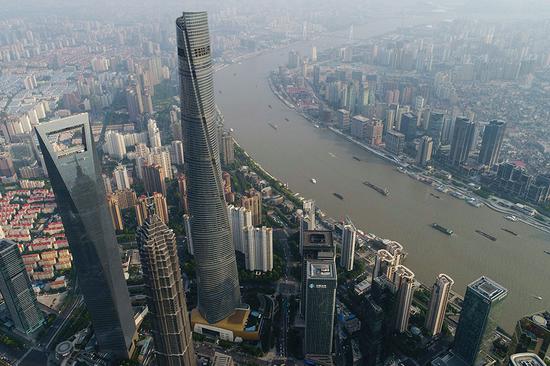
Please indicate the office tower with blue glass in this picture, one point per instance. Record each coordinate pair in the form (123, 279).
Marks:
(218, 282)
(75, 174)
(475, 325)
(17, 291)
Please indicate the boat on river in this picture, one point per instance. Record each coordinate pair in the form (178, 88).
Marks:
(272, 125)
(488, 236)
(382, 191)
(338, 195)
(443, 229)
(313, 180)
(509, 231)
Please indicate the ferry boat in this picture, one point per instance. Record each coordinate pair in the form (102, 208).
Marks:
(457, 194)
(313, 180)
(511, 218)
(443, 229)
(509, 231)
(473, 202)
(488, 236)
(382, 191)
(338, 195)
(442, 189)
(272, 125)
(537, 297)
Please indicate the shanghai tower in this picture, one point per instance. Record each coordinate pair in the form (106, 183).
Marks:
(218, 283)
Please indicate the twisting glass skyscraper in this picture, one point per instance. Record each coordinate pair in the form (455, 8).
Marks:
(165, 295)
(75, 175)
(218, 283)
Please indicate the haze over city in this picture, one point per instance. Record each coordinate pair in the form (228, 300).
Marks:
(253, 182)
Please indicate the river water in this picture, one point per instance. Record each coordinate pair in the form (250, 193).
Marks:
(297, 152)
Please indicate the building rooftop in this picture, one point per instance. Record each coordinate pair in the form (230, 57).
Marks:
(488, 288)
(444, 278)
(321, 270)
(318, 238)
(526, 359)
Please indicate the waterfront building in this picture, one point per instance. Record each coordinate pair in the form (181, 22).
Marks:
(69, 155)
(219, 292)
(228, 147)
(320, 298)
(435, 128)
(389, 119)
(349, 236)
(475, 326)
(532, 334)
(373, 132)
(438, 304)
(404, 280)
(160, 205)
(462, 140)
(177, 152)
(17, 291)
(408, 125)
(384, 264)
(342, 116)
(317, 244)
(525, 359)
(252, 200)
(154, 179)
(395, 142)
(120, 174)
(358, 126)
(424, 153)
(164, 289)
(493, 135)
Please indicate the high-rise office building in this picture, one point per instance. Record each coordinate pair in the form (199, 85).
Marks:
(424, 153)
(349, 236)
(228, 147)
(218, 292)
(532, 334)
(159, 202)
(403, 278)
(317, 244)
(463, 138)
(493, 134)
(408, 125)
(121, 177)
(17, 291)
(320, 297)
(153, 179)
(178, 156)
(69, 155)
(435, 128)
(252, 200)
(395, 142)
(438, 304)
(165, 295)
(475, 326)
(263, 241)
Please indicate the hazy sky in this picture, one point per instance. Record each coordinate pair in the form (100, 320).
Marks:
(125, 9)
